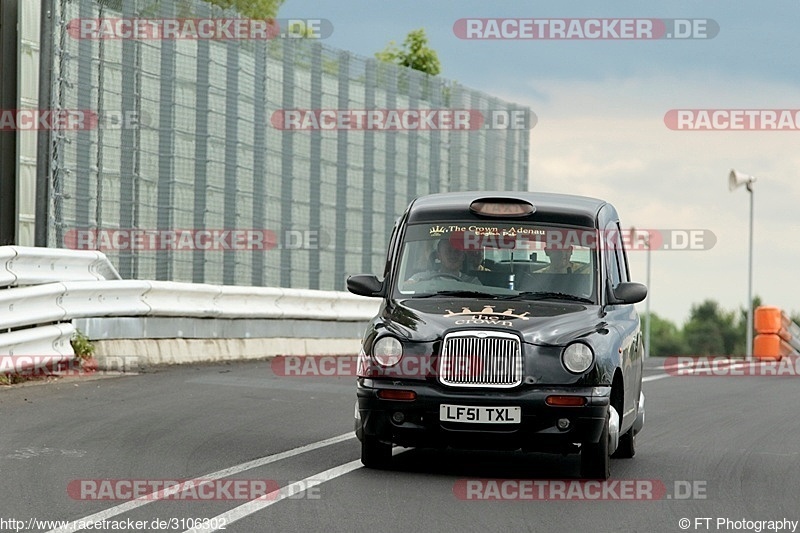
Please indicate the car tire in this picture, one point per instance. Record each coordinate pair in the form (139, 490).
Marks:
(374, 453)
(595, 460)
(627, 445)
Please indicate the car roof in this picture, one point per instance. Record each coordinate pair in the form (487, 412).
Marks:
(550, 207)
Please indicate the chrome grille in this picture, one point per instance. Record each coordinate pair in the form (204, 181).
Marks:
(481, 359)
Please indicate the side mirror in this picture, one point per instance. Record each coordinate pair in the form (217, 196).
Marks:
(629, 292)
(365, 285)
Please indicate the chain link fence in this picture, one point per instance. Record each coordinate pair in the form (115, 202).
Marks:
(185, 143)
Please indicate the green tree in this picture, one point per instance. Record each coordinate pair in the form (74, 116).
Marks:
(254, 9)
(712, 331)
(415, 53)
(666, 339)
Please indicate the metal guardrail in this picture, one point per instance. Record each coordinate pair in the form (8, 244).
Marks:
(27, 265)
(48, 340)
(33, 319)
(36, 308)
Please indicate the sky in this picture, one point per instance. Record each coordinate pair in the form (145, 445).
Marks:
(601, 128)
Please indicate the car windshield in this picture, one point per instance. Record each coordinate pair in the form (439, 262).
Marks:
(498, 260)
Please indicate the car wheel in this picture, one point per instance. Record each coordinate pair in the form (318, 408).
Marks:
(374, 453)
(627, 445)
(595, 461)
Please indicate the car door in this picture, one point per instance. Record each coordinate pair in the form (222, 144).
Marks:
(625, 320)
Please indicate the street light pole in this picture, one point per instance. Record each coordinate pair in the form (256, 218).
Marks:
(647, 304)
(749, 353)
(736, 179)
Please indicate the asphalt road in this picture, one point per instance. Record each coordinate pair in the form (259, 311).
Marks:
(713, 447)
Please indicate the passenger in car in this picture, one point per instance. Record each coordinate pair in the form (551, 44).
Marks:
(474, 261)
(560, 262)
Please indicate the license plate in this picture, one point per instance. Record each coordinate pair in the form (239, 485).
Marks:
(479, 415)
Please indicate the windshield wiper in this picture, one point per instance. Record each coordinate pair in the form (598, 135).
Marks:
(465, 294)
(545, 295)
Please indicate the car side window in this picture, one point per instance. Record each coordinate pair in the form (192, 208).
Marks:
(612, 258)
(392, 246)
(622, 257)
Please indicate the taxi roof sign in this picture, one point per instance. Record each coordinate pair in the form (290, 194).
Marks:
(502, 207)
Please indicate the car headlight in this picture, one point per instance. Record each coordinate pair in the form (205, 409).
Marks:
(577, 357)
(387, 351)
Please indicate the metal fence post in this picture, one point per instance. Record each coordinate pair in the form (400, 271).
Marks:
(43, 140)
(260, 178)
(286, 177)
(201, 155)
(368, 191)
(231, 158)
(315, 167)
(342, 199)
(166, 148)
(129, 143)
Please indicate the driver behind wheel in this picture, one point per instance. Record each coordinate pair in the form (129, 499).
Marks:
(451, 259)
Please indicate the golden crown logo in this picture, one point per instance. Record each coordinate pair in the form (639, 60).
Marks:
(487, 310)
(436, 231)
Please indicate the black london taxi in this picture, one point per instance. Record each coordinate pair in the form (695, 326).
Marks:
(507, 323)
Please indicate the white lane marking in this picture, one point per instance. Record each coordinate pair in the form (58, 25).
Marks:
(237, 513)
(690, 365)
(683, 368)
(201, 480)
(687, 368)
(27, 453)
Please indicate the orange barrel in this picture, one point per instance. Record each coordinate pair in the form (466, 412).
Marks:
(767, 346)
(768, 319)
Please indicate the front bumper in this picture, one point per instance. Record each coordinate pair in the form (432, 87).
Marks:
(537, 431)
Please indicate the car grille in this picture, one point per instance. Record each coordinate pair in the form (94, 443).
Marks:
(481, 359)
